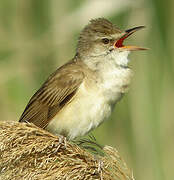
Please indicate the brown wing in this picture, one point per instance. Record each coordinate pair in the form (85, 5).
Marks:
(53, 95)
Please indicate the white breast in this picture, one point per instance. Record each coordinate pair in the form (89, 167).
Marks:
(93, 104)
(116, 76)
(85, 112)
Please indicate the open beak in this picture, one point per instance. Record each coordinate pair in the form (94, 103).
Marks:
(126, 34)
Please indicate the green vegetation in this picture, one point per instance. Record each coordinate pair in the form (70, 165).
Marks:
(38, 36)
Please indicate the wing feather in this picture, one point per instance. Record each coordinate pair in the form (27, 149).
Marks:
(58, 90)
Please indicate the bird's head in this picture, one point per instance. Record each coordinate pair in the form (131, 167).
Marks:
(101, 38)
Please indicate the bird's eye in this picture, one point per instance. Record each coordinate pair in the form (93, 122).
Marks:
(105, 40)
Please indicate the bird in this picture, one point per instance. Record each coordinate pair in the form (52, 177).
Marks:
(82, 93)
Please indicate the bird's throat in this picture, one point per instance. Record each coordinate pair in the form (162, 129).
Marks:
(120, 58)
(114, 59)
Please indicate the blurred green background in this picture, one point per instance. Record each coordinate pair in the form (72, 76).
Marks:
(37, 36)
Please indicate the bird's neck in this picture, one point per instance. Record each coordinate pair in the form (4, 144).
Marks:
(114, 60)
(113, 74)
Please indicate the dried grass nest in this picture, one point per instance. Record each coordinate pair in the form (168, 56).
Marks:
(30, 153)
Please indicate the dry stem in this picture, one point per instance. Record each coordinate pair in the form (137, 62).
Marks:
(28, 152)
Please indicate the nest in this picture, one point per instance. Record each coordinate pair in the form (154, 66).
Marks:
(28, 152)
